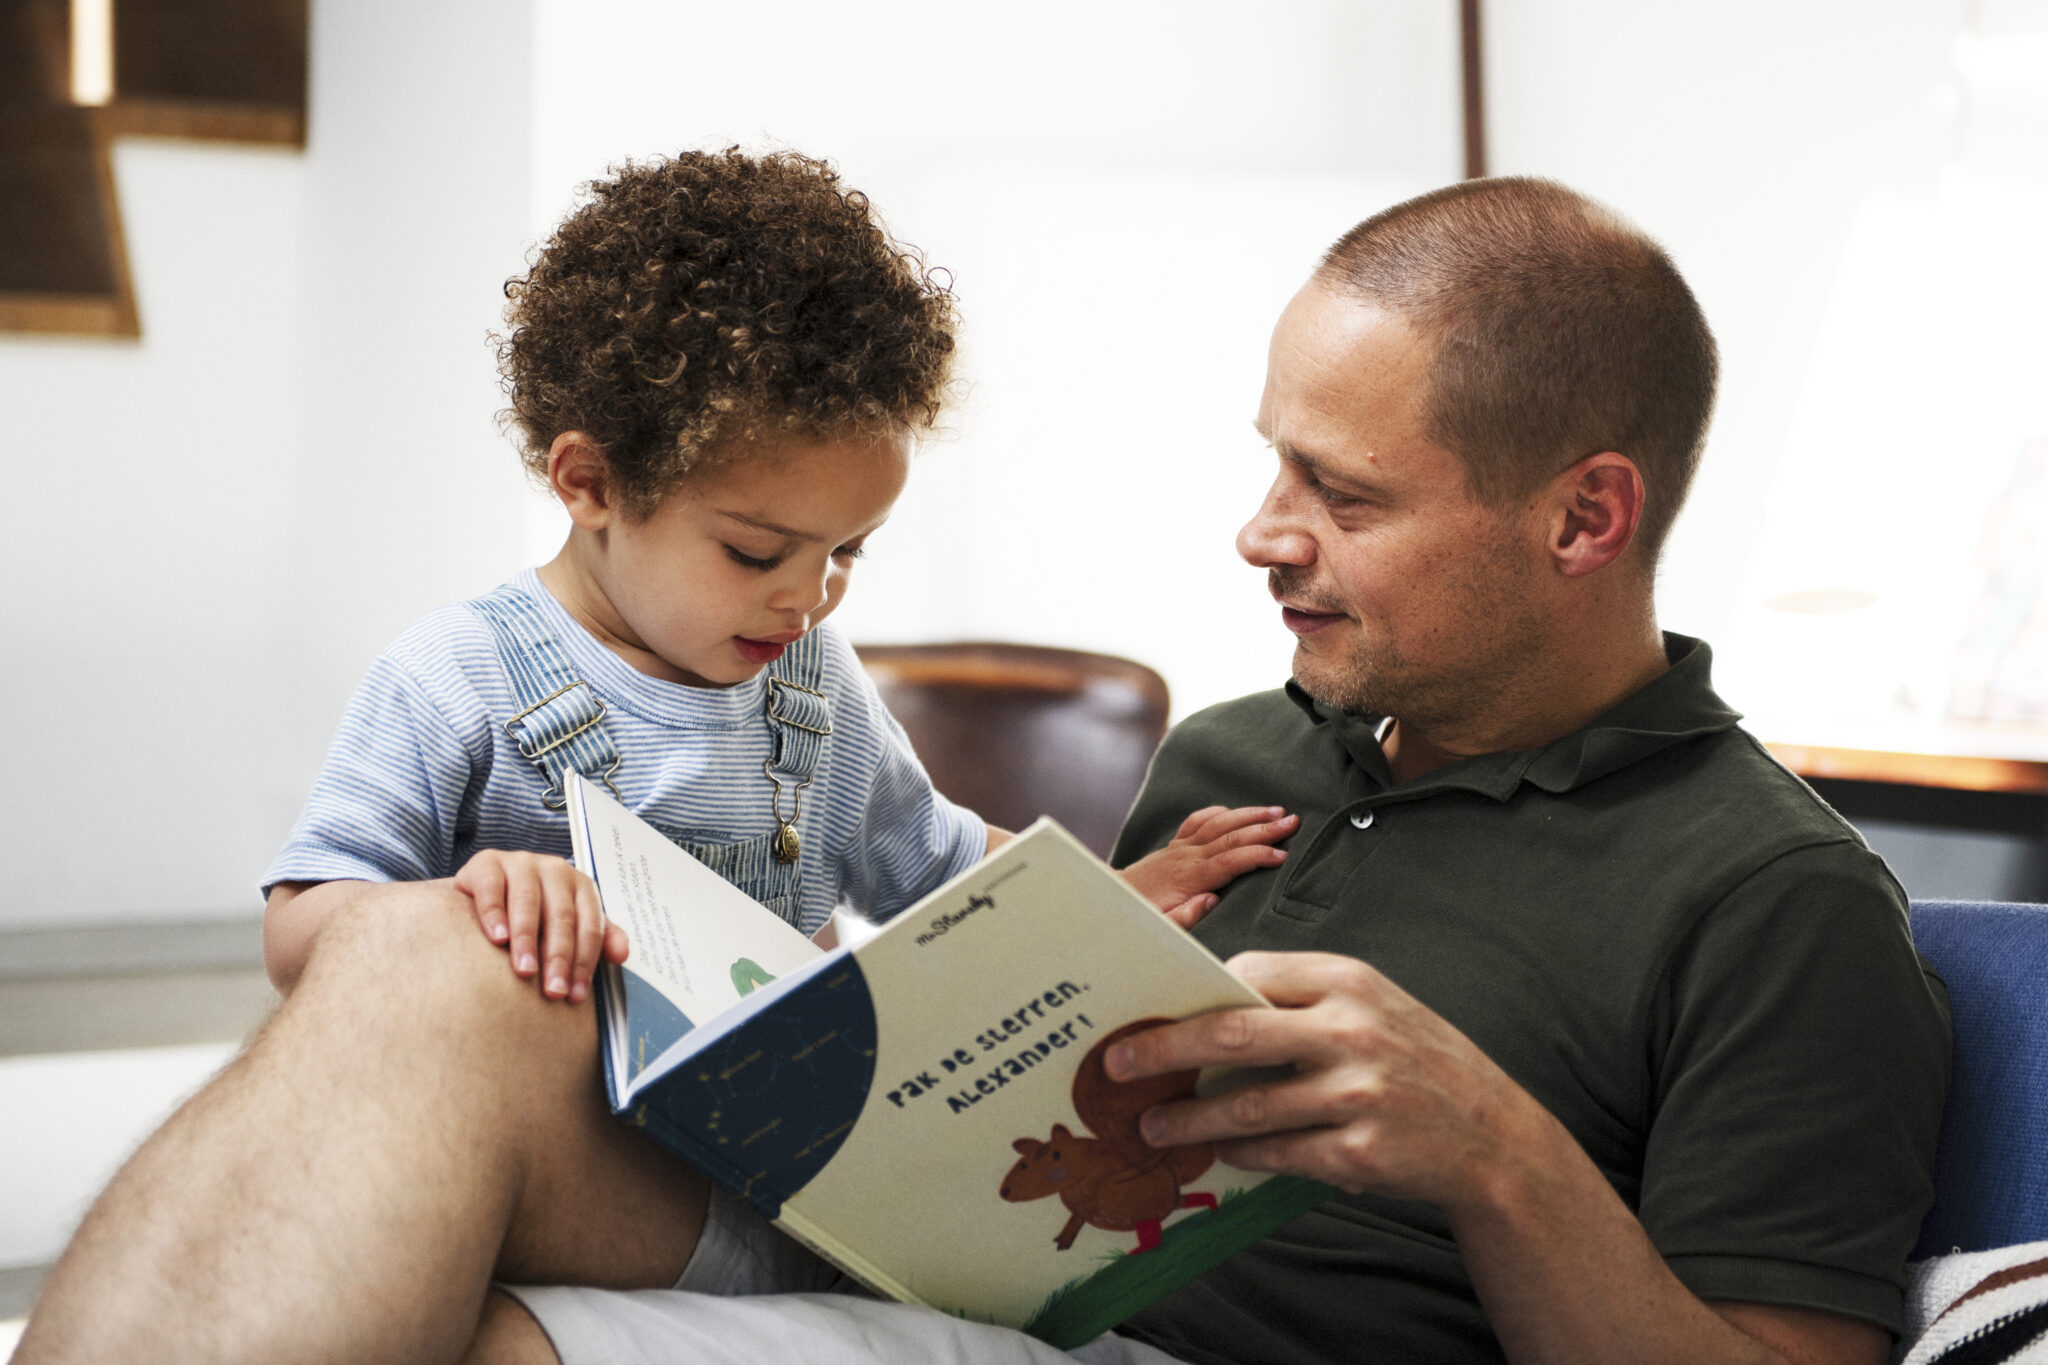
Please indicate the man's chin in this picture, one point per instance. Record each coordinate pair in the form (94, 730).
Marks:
(1344, 688)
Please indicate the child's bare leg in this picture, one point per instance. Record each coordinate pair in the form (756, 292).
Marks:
(414, 1121)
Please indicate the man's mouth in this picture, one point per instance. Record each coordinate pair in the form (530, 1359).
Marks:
(1303, 622)
(1300, 612)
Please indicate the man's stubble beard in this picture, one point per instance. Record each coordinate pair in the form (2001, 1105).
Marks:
(1486, 679)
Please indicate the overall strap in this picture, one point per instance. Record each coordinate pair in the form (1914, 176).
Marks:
(799, 722)
(559, 726)
(798, 716)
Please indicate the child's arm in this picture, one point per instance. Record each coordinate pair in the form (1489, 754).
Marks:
(292, 917)
(546, 914)
(1213, 848)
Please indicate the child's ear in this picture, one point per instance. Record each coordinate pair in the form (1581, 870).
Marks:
(578, 474)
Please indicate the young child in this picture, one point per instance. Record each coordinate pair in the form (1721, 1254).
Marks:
(718, 364)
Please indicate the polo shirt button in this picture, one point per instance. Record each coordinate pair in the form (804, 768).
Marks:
(1362, 820)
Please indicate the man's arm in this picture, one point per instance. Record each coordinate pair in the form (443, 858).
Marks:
(1388, 1097)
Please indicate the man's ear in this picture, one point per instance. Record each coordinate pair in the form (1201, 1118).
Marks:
(581, 480)
(1595, 508)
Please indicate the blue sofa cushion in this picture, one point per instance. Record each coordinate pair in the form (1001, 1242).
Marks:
(1991, 1167)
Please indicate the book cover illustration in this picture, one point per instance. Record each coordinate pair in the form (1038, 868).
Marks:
(1107, 1176)
(927, 1108)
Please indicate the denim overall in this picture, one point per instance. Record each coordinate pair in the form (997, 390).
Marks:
(559, 728)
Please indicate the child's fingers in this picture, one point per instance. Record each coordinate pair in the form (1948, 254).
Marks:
(1189, 827)
(615, 945)
(1191, 911)
(482, 879)
(1232, 863)
(1223, 824)
(1264, 831)
(522, 916)
(559, 913)
(590, 936)
(1218, 867)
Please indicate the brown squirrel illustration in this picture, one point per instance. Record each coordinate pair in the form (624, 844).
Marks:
(1112, 1180)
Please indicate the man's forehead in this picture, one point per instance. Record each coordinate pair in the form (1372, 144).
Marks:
(1344, 378)
(1328, 321)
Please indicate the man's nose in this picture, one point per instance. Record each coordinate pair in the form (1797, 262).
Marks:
(1275, 535)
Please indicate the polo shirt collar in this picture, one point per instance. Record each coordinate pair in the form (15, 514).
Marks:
(1678, 705)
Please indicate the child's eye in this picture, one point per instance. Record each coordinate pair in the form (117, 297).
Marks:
(746, 560)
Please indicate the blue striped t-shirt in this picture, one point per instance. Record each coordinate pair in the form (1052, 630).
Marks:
(421, 773)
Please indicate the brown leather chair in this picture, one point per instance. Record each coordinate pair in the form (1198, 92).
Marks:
(1018, 731)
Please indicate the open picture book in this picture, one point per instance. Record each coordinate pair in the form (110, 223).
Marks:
(927, 1108)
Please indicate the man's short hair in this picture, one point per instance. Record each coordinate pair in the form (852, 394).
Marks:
(698, 302)
(1558, 328)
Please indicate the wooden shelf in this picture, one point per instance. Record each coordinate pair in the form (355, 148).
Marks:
(219, 70)
(1952, 771)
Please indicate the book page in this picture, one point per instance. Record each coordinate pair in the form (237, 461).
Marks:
(696, 943)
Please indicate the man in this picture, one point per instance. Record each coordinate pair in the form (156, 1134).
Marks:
(1613, 1035)
(1687, 1111)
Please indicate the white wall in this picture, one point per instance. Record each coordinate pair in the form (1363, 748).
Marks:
(1126, 194)
(1742, 135)
(145, 544)
(207, 534)
(416, 213)
(1857, 190)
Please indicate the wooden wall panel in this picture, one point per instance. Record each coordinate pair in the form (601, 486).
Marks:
(217, 69)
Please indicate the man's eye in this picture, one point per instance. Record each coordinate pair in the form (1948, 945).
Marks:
(740, 557)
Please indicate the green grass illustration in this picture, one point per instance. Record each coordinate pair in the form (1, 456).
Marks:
(1089, 1305)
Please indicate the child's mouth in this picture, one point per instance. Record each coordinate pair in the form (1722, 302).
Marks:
(762, 651)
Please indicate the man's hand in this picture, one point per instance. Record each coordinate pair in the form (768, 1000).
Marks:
(1214, 847)
(1385, 1095)
(542, 910)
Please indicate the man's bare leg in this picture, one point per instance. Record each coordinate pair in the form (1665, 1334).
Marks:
(508, 1335)
(414, 1121)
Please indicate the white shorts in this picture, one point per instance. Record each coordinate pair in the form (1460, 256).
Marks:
(751, 1295)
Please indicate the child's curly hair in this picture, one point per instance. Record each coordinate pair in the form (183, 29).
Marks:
(701, 300)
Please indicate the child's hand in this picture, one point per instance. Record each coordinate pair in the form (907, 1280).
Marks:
(1214, 847)
(542, 909)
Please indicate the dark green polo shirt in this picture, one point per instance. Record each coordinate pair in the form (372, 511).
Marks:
(1653, 927)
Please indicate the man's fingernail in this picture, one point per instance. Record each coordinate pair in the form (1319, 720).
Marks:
(527, 962)
(558, 985)
(498, 933)
(1117, 1060)
(1153, 1127)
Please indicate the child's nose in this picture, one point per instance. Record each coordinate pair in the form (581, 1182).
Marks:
(805, 590)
